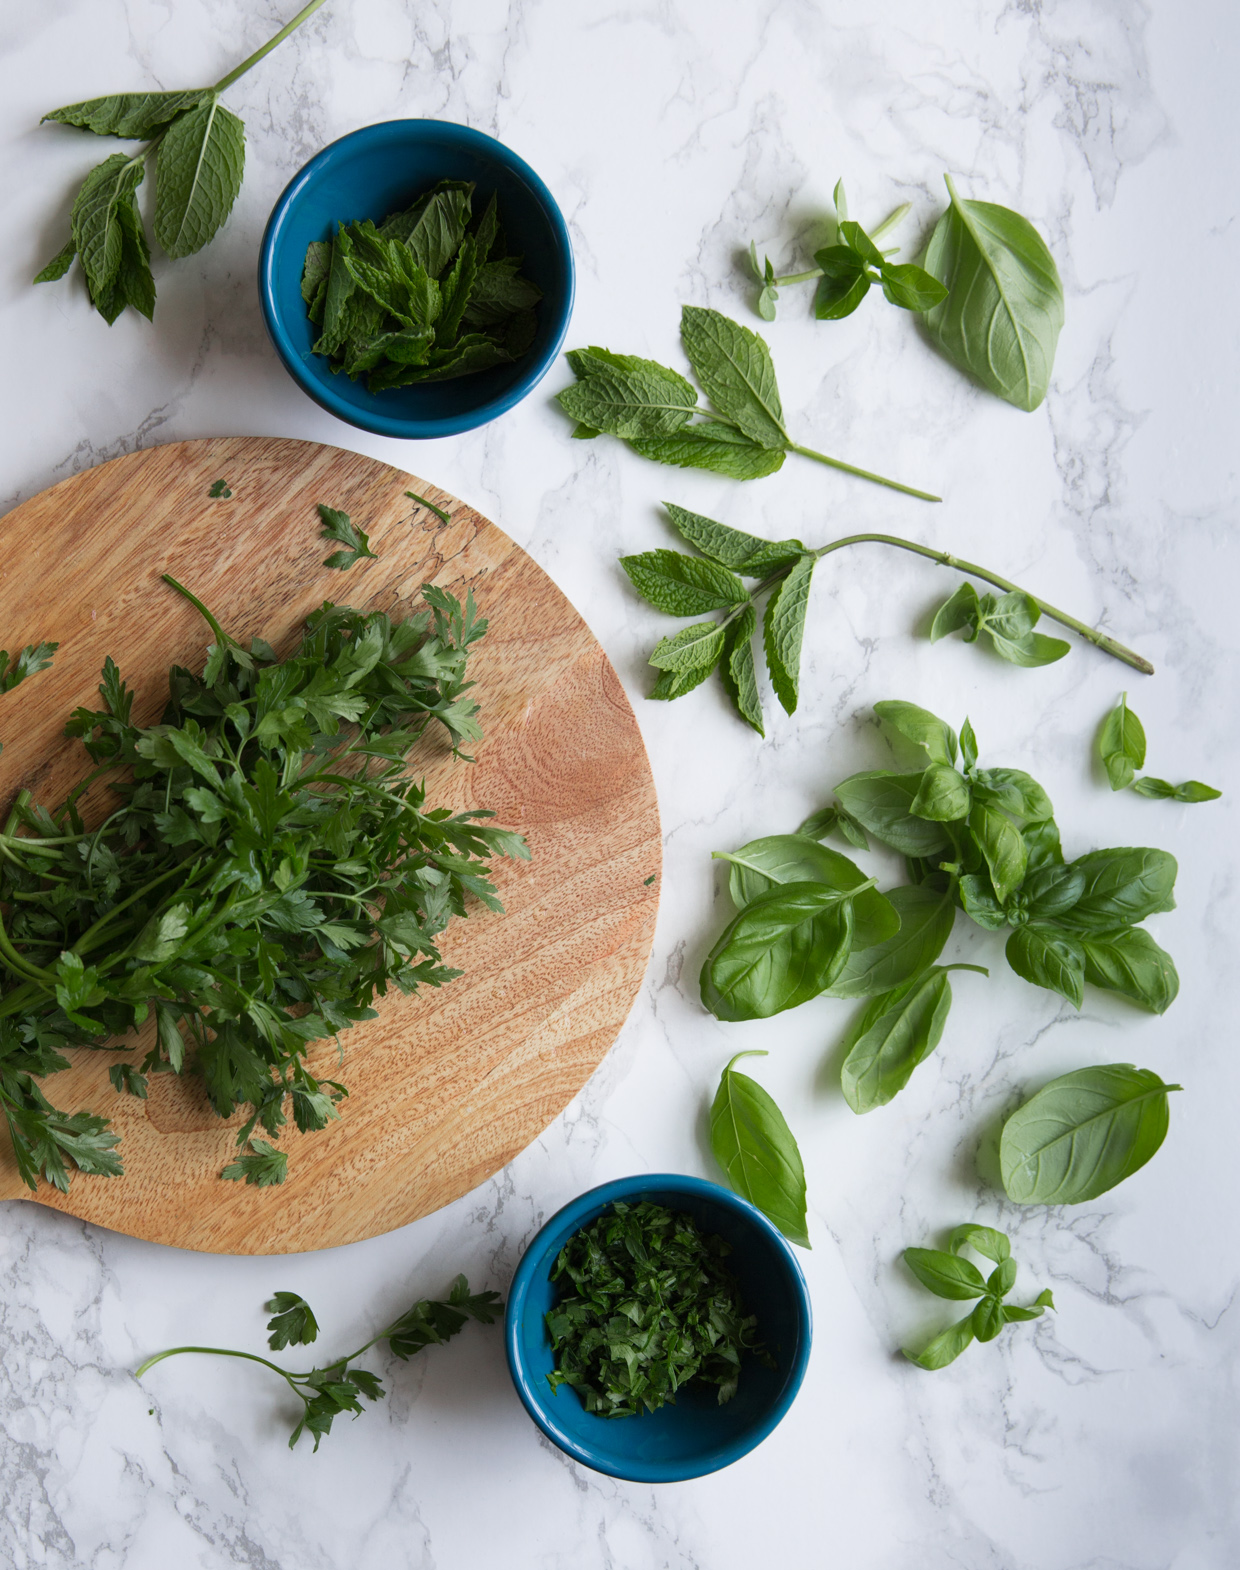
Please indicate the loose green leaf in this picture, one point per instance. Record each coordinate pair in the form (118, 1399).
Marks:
(734, 368)
(1049, 958)
(1082, 1134)
(260, 1164)
(783, 629)
(945, 1348)
(740, 678)
(710, 445)
(896, 1031)
(696, 648)
(945, 1275)
(648, 402)
(922, 728)
(28, 661)
(198, 170)
(986, 1240)
(743, 553)
(787, 946)
(219, 488)
(337, 526)
(683, 585)
(755, 1147)
(59, 264)
(926, 919)
(292, 1323)
(1122, 744)
(912, 288)
(134, 116)
(96, 224)
(1129, 962)
(1001, 318)
(951, 1277)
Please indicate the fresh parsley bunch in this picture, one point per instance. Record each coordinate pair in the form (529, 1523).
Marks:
(199, 149)
(338, 1387)
(268, 869)
(647, 1305)
(425, 296)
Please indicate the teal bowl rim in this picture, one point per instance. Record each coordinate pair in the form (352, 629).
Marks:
(403, 428)
(576, 1214)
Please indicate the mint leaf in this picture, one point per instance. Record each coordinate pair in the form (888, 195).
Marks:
(683, 585)
(128, 115)
(198, 170)
(735, 370)
(783, 628)
(96, 227)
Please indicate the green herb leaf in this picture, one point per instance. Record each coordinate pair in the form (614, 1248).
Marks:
(786, 946)
(735, 370)
(991, 1244)
(1082, 1134)
(943, 795)
(96, 225)
(198, 170)
(652, 401)
(1049, 958)
(775, 859)
(712, 446)
(1002, 315)
(910, 287)
(260, 1164)
(59, 264)
(1122, 886)
(946, 1347)
(683, 585)
(844, 283)
(219, 488)
(1191, 790)
(882, 802)
(926, 919)
(946, 1275)
(922, 728)
(987, 1319)
(743, 553)
(1122, 744)
(754, 1146)
(293, 1322)
(895, 1032)
(1003, 847)
(692, 648)
(740, 677)
(28, 661)
(783, 629)
(134, 116)
(337, 526)
(1129, 962)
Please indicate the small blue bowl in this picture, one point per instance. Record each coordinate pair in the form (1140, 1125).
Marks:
(369, 174)
(696, 1435)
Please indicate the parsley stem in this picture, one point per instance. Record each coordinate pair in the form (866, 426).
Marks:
(221, 637)
(862, 474)
(1100, 640)
(212, 1351)
(289, 27)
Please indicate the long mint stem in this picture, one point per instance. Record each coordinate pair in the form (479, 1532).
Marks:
(863, 474)
(289, 27)
(1100, 640)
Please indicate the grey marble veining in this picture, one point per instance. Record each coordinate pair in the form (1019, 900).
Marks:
(672, 132)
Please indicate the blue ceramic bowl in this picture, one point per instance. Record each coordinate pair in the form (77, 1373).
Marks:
(696, 1435)
(369, 174)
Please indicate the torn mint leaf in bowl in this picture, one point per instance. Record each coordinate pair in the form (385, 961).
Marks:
(416, 279)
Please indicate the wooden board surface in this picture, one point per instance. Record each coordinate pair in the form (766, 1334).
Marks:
(444, 1088)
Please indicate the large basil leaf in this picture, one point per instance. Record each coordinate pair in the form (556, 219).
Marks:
(920, 727)
(882, 803)
(1015, 791)
(1004, 307)
(1131, 963)
(896, 1032)
(784, 948)
(943, 795)
(1122, 886)
(1082, 1134)
(926, 919)
(794, 858)
(754, 1146)
(1049, 958)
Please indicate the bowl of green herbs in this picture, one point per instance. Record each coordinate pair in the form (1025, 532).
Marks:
(416, 278)
(658, 1328)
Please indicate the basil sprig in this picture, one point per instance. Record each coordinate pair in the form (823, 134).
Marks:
(199, 149)
(846, 270)
(1121, 746)
(949, 1276)
(711, 582)
(1082, 1134)
(742, 432)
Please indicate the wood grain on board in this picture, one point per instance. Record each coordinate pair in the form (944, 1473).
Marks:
(443, 1088)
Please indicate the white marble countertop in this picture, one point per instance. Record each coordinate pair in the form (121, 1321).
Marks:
(671, 132)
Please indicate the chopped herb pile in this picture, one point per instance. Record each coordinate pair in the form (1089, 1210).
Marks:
(267, 870)
(648, 1306)
(335, 1388)
(427, 295)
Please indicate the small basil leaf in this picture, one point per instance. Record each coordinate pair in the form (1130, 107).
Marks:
(882, 803)
(1049, 891)
(1014, 1316)
(986, 1240)
(979, 902)
(1048, 958)
(753, 1144)
(856, 239)
(1002, 1278)
(943, 795)
(1002, 846)
(968, 747)
(1122, 744)
(896, 1032)
(1042, 844)
(911, 287)
(946, 1275)
(1129, 962)
(945, 1348)
(1018, 793)
(987, 1319)
(960, 613)
(1194, 790)
(1082, 1134)
(922, 728)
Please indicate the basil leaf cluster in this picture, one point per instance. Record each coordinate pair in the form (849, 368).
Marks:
(427, 295)
(1007, 620)
(847, 269)
(948, 1275)
(1121, 746)
(199, 149)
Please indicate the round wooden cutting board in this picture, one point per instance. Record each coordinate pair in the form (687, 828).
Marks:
(446, 1087)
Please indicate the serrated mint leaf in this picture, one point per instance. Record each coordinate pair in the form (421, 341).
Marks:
(683, 585)
(59, 264)
(198, 170)
(646, 403)
(690, 648)
(96, 227)
(737, 670)
(744, 553)
(133, 116)
(712, 446)
(735, 370)
(783, 627)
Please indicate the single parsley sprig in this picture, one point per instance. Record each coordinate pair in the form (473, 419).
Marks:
(695, 585)
(1121, 745)
(846, 270)
(268, 870)
(26, 662)
(199, 149)
(647, 1304)
(947, 1275)
(741, 434)
(337, 1387)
